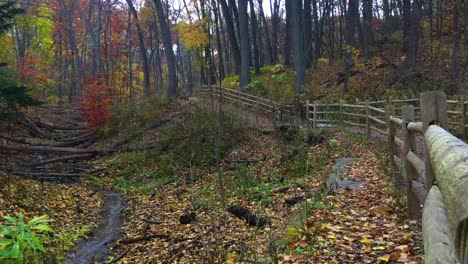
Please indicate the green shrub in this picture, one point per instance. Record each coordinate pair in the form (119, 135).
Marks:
(194, 141)
(255, 87)
(65, 241)
(266, 69)
(12, 94)
(311, 135)
(231, 81)
(21, 241)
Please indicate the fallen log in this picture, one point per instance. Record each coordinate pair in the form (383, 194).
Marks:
(76, 141)
(33, 129)
(56, 127)
(147, 128)
(48, 149)
(250, 217)
(21, 141)
(58, 159)
(50, 174)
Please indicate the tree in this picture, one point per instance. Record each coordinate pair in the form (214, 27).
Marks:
(7, 12)
(351, 22)
(457, 34)
(413, 34)
(244, 41)
(307, 25)
(367, 35)
(12, 94)
(296, 29)
(141, 42)
(168, 48)
(235, 51)
(254, 27)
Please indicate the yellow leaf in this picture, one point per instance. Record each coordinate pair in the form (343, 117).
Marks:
(365, 240)
(384, 258)
(231, 258)
(378, 248)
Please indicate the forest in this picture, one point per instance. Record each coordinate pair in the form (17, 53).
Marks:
(233, 131)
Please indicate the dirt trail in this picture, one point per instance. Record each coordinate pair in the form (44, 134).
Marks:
(95, 249)
(66, 128)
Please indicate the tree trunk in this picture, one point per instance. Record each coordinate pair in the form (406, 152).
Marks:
(457, 34)
(308, 45)
(231, 35)
(254, 27)
(366, 28)
(317, 35)
(244, 38)
(275, 28)
(168, 48)
(413, 36)
(296, 29)
(351, 21)
(218, 41)
(267, 32)
(141, 42)
(287, 40)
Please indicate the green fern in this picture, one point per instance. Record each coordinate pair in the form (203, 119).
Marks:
(18, 239)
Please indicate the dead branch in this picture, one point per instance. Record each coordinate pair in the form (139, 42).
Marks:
(143, 238)
(59, 159)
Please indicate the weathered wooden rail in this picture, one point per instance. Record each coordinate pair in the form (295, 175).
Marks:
(434, 162)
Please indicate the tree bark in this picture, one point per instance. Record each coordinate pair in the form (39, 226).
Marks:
(287, 40)
(254, 27)
(231, 35)
(267, 32)
(218, 40)
(245, 47)
(296, 29)
(141, 42)
(308, 44)
(317, 35)
(457, 34)
(351, 21)
(168, 48)
(367, 35)
(413, 36)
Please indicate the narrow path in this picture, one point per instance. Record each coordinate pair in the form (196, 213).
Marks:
(53, 121)
(95, 249)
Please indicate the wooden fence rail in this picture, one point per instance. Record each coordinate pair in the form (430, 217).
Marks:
(434, 162)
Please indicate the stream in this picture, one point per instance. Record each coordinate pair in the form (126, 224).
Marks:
(95, 248)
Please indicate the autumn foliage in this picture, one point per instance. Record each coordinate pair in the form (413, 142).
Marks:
(95, 102)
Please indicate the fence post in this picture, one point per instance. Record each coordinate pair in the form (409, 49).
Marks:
(342, 101)
(315, 114)
(257, 109)
(433, 111)
(463, 116)
(391, 127)
(414, 208)
(368, 125)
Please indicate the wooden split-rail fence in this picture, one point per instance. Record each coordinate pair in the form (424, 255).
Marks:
(433, 161)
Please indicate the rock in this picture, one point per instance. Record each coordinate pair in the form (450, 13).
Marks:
(188, 218)
(335, 181)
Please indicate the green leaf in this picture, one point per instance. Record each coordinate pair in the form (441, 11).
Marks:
(10, 219)
(15, 250)
(5, 242)
(42, 228)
